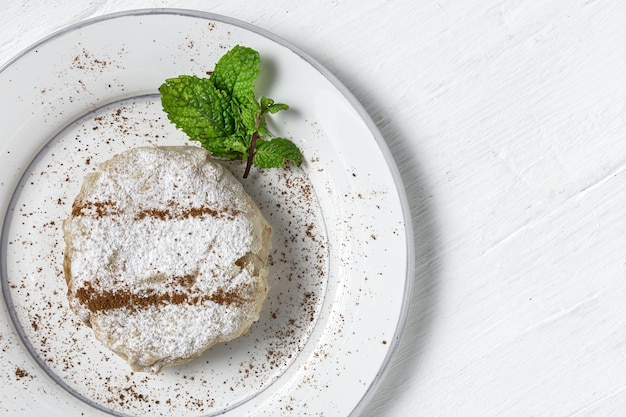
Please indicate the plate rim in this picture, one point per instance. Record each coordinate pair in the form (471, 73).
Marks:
(400, 189)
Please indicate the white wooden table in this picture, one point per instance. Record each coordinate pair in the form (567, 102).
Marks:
(507, 120)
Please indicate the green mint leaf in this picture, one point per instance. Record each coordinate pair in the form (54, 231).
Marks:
(196, 107)
(266, 102)
(268, 105)
(223, 114)
(276, 107)
(263, 132)
(276, 152)
(248, 111)
(231, 147)
(236, 72)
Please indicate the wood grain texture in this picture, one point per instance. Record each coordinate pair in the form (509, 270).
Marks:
(506, 119)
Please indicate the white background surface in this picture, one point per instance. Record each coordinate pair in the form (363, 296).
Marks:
(507, 121)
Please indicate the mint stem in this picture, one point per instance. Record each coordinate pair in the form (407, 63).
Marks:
(255, 136)
(253, 140)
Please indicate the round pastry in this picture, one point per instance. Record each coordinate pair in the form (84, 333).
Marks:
(165, 255)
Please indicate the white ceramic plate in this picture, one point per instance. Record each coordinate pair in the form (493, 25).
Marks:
(342, 261)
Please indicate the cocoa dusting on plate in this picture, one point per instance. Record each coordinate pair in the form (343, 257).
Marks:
(21, 373)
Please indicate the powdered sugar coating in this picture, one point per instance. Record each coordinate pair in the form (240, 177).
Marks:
(165, 255)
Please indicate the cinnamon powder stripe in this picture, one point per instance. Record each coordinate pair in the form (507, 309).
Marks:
(100, 208)
(109, 208)
(165, 214)
(106, 300)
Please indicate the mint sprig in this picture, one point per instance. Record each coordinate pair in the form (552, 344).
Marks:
(223, 114)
